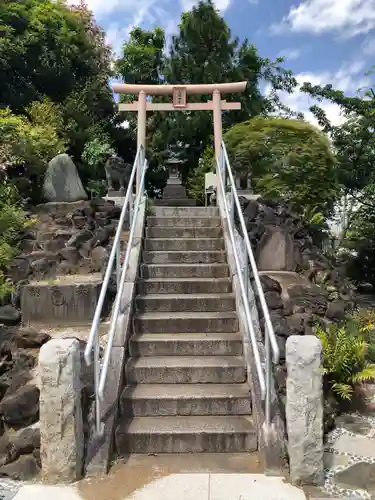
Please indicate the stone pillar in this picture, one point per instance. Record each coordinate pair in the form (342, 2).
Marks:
(61, 427)
(141, 131)
(304, 409)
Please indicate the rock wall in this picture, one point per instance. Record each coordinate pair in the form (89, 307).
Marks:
(71, 241)
(302, 286)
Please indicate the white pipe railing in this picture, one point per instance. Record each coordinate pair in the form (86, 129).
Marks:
(271, 347)
(93, 344)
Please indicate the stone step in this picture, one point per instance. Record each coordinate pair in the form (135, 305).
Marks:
(187, 435)
(183, 257)
(185, 322)
(192, 271)
(184, 232)
(183, 244)
(186, 344)
(177, 211)
(186, 370)
(176, 302)
(183, 221)
(185, 400)
(173, 202)
(184, 286)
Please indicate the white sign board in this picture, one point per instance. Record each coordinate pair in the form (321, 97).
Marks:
(179, 97)
(209, 182)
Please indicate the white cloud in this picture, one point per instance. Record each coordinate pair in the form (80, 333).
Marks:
(368, 47)
(222, 5)
(137, 12)
(346, 17)
(290, 54)
(347, 78)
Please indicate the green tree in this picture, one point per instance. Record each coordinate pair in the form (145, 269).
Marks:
(287, 159)
(142, 62)
(142, 57)
(354, 145)
(50, 49)
(204, 51)
(28, 143)
(196, 180)
(354, 140)
(12, 222)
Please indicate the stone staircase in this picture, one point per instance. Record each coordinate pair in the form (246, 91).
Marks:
(186, 378)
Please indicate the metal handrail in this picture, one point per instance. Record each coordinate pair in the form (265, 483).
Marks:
(93, 344)
(117, 304)
(271, 346)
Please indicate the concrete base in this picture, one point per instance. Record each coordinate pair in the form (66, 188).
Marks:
(118, 198)
(65, 300)
(218, 487)
(181, 486)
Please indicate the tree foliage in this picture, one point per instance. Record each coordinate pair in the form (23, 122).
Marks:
(203, 51)
(142, 62)
(354, 144)
(49, 49)
(55, 54)
(288, 159)
(12, 222)
(345, 360)
(28, 143)
(353, 140)
(196, 180)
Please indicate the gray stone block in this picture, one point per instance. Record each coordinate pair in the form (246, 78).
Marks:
(65, 300)
(62, 181)
(61, 423)
(304, 409)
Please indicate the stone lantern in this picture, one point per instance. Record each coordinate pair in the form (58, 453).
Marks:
(174, 193)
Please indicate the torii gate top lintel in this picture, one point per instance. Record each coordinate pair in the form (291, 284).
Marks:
(205, 88)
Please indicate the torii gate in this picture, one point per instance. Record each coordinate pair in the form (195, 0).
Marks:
(180, 103)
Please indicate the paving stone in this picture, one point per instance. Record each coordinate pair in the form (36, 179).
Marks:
(332, 460)
(355, 445)
(359, 476)
(354, 424)
(8, 489)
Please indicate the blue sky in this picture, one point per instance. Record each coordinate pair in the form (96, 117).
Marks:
(324, 41)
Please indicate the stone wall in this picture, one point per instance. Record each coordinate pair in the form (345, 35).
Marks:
(67, 247)
(272, 439)
(302, 286)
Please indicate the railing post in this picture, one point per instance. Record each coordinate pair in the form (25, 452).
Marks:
(222, 166)
(231, 206)
(246, 274)
(118, 263)
(268, 376)
(99, 427)
(131, 207)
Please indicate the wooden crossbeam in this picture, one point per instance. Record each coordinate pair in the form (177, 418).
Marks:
(190, 106)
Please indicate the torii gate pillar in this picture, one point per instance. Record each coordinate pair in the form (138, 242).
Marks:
(218, 124)
(141, 129)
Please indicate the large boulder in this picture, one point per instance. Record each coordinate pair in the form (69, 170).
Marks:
(21, 408)
(62, 182)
